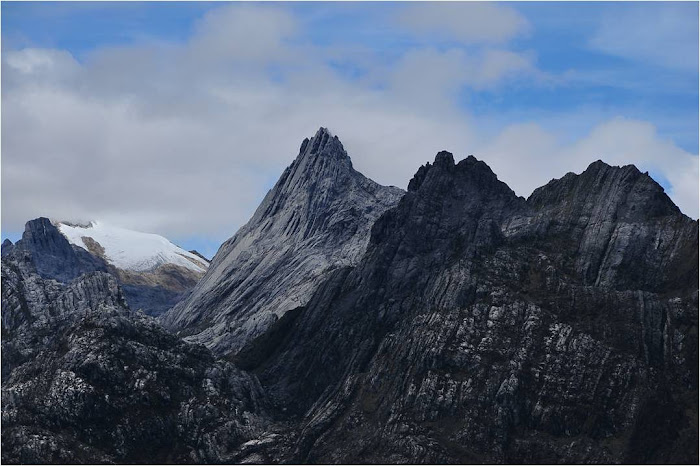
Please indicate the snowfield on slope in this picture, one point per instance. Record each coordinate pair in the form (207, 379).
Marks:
(132, 250)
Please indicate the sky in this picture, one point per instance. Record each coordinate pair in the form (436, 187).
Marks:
(176, 118)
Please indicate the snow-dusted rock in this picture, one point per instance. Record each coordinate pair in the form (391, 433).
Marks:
(153, 272)
(130, 250)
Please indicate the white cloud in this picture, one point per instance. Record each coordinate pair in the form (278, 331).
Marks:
(434, 77)
(29, 61)
(185, 139)
(525, 156)
(181, 149)
(466, 22)
(430, 75)
(496, 65)
(664, 33)
(243, 32)
(49, 67)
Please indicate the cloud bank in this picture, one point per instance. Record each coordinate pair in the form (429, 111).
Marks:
(184, 138)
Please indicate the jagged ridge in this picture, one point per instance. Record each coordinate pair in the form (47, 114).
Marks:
(473, 330)
(85, 380)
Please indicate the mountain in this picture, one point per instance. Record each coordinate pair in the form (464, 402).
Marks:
(316, 219)
(462, 324)
(483, 327)
(51, 253)
(153, 272)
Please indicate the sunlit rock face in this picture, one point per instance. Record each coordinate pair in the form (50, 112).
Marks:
(316, 219)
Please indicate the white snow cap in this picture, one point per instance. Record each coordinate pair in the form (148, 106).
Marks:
(132, 250)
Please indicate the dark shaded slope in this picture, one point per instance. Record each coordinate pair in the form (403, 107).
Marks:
(465, 199)
(483, 328)
(624, 230)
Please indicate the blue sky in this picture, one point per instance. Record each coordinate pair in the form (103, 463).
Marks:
(158, 109)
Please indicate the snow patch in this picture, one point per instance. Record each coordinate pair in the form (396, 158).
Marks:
(132, 250)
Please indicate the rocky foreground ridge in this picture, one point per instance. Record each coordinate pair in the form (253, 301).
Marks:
(474, 326)
(86, 380)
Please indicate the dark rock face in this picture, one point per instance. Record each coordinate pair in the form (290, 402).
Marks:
(629, 234)
(6, 246)
(198, 254)
(85, 380)
(316, 219)
(152, 300)
(156, 291)
(480, 327)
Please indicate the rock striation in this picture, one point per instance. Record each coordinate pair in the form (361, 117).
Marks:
(483, 327)
(316, 219)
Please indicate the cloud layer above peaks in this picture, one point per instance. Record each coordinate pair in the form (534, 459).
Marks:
(176, 119)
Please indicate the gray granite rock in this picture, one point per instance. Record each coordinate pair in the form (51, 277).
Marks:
(316, 219)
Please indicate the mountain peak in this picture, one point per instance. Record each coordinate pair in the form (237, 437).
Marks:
(598, 165)
(625, 188)
(316, 219)
(36, 225)
(51, 253)
(322, 159)
(444, 157)
(323, 131)
(601, 166)
(470, 170)
(322, 143)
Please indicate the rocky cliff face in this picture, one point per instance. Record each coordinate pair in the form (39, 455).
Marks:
(85, 380)
(316, 219)
(483, 327)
